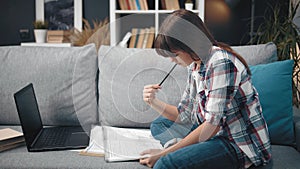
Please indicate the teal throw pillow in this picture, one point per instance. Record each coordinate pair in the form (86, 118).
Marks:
(273, 82)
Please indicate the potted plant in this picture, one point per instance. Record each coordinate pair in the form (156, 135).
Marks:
(188, 5)
(281, 30)
(40, 31)
(98, 33)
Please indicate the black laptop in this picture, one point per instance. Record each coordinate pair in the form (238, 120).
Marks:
(40, 138)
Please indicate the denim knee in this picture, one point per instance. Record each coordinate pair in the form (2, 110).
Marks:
(161, 120)
(165, 130)
(159, 125)
(164, 162)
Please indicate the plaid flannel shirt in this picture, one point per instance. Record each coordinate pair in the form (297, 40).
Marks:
(221, 93)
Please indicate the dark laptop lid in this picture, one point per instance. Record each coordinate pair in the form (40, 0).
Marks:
(28, 113)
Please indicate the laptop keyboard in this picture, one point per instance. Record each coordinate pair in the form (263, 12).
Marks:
(53, 137)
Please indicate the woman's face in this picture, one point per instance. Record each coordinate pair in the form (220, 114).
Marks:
(182, 58)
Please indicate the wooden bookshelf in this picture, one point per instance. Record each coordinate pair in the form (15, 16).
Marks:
(123, 19)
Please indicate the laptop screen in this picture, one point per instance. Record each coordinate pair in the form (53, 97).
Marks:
(28, 113)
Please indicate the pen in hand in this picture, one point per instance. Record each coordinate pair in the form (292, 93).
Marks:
(167, 75)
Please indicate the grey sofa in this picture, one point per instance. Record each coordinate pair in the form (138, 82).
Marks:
(78, 86)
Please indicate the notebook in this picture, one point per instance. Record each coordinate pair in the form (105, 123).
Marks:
(39, 137)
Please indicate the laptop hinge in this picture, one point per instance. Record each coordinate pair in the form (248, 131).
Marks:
(36, 138)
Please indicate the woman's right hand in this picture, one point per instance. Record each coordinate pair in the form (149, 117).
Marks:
(152, 156)
(149, 93)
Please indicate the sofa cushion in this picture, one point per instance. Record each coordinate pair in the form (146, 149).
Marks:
(258, 54)
(273, 82)
(64, 80)
(123, 74)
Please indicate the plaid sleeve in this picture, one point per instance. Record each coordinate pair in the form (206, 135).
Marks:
(185, 105)
(221, 82)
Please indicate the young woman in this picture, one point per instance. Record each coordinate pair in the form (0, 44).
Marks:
(219, 122)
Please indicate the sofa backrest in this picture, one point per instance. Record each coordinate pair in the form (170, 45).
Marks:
(125, 71)
(66, 88)
(64, 80)
(258, 54)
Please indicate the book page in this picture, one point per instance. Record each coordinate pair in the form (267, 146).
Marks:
(124, 144)
(96, 145)
(9, 133)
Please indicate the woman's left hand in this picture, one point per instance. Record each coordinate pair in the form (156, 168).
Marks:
(155, 154)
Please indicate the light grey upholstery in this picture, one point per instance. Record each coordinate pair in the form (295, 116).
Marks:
(64, 80)
(124, 71)
(258, 54)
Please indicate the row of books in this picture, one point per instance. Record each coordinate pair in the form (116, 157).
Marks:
(58, 36)
(142, 37)
(143, 4)
(133, 4)
(10, 138)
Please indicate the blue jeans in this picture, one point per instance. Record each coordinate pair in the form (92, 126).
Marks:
(164, 130)
(214, 153)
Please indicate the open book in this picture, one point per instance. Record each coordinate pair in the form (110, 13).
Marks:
(119, 144)
(125, 144)
(96, 146)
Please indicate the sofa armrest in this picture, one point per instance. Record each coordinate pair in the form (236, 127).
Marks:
(297, 126)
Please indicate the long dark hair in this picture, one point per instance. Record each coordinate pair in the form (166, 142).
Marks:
(165, 44)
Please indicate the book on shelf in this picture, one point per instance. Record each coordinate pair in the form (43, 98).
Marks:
(142, 37)
(150, 38)
(144, 4)
(134, 32)
(163, 4)
(128, 4)
(137, 38)
(133, 4)
(138, 5)
(122, 4)
(147, 31)
(170, 4)
(10, 138)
